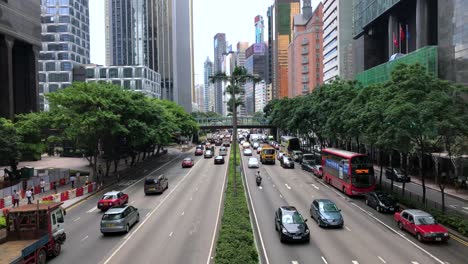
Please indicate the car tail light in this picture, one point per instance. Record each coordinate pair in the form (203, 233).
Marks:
(110, 204)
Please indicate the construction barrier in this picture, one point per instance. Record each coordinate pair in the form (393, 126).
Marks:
(57, 198)
(37, 189)
(85, 190)
(72, 194)
(79, 191)
(62, 182)
(90, 188)
(48, 198)
(2, 203)
(5, 211)
(64, 196)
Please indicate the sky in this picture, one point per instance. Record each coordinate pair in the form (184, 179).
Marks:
(233, 17)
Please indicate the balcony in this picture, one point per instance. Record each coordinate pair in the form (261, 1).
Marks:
(305, 41)
(426, 56)
(305, 61)
(305, 79)
(305, 50)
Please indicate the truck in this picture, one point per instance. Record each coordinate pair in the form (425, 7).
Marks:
(33, 233)
(267, 155)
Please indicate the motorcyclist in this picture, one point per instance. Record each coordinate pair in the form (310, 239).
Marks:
(258, 178)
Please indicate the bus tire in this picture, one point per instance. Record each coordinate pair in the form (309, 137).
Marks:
(41, 256)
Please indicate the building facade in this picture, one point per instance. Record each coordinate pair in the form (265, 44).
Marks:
(283, 12)
(255, 63)
(305, 51)
(207, 72)
(65, 44)
(337, 40)
(136, 78)
(20, 41)
(428, 32)
(259, 29)
(219, 51)
(261, 96)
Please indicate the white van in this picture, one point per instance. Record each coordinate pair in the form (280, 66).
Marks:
(246, 145)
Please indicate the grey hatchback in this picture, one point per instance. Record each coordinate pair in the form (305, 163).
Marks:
(119, 219)
(156, 184)
(326, 213)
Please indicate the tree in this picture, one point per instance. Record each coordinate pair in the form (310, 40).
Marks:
(9, 147)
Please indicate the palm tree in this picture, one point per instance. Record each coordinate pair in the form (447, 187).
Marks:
(237, 79)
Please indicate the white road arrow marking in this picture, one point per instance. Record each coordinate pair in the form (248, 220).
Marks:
(381, 259)
(287, 186)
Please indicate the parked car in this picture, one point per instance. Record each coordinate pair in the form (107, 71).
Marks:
(208, 154)
(317, 170)
(421, 224)
(287, 162)
(308, 165)
(156, 184)
(219, 160)
(326, 213)
(247, 152)
(259, 149)
(223, 151)
(382, 202)
(396, 174)
(111, 199)
(308, 157)
(198, 152)
(119, 219)
(187, 163)
(253, 163)
(297, 155)
(291, 225)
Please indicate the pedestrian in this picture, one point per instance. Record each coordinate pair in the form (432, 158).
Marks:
(42, 185)
(32, 193)
(29, 196)
(72, 180)
(55, 187)
(15, 198)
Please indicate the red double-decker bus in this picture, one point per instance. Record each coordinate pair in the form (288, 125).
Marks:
(350, 172)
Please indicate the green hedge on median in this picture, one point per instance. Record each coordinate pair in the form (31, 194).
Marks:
(236, 243)
(2, 222)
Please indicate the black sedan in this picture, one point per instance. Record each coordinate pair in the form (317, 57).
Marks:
(291, 225)
(326, 213)
(219, 160)
(382, 202)
(307, 166)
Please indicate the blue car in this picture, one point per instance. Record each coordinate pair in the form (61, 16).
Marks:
(326, 213)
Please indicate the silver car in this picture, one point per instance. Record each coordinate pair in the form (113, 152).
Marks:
(119, 219)
(253, 163)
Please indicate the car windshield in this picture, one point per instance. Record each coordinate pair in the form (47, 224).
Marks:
(398, 171)
(292, 218)
(385, 197)
(268, 151)
(328, 207)
(424, 220)
(109, 197)
(111, 216)
(151, 181)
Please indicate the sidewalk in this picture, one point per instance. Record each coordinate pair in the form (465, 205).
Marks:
(460, 194)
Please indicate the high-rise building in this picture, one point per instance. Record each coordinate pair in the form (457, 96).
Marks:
(207, 72)
(255, 63)
(428, 32)
(20, 41)
(259, 29)
(337, 40)
(219, 51)
(305, 51)
(282, 13)
(65, 43)
(199, 98)
(156, 34)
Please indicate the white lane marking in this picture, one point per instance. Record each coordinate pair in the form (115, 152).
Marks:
(92, 210)
(267, 261)
(354, 262)
(466, 208)
(76, 219)
(347, 228)
(218, 214)
(150, 214)
(401, 235)
(294, 262)
(196, 189)
(147, 214)
(132, 202)
(84, 238)
(182, 213)
(381, 259)
(315, 186)
(281, 196)
(171, 234)
(324, 260)
(260, 187)
(162, 166)
(414, 262)
(287, 186)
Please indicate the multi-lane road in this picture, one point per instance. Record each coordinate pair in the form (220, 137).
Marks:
(367, 237)
(180, 225)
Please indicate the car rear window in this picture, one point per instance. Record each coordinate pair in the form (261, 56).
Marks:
(151, 181)
(112, 216)
(109, 197)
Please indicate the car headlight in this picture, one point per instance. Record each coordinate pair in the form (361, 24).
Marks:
(307, 231)
(446, 234)
(284, 230)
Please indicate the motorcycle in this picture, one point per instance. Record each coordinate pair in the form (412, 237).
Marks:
(259, 180)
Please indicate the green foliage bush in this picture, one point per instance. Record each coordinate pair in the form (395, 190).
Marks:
(236, 241)
(2, 222)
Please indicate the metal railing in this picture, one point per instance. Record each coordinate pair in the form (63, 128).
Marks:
(227, 121)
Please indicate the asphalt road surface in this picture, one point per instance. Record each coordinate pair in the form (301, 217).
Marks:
(367, 237)
(178, 226)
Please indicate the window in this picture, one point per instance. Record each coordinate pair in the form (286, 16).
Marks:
(42, 77)
(54, 221)
(127, 72)
(64, 2)
(138, 72)
(63, 56)
(53, 88)
(64, 19)
(64, 11)
(66, 66)
(50, 66)
(138, 85)
(127, 84)
(59, 77)
(117, 82)
(113, 73)
(41, 88)
(48, 38)
(89, 73)
(102, 73)
(59, 215)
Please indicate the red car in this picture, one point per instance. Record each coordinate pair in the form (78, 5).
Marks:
(187, 163)
(111, 199)
(198, 152)
(421, 224)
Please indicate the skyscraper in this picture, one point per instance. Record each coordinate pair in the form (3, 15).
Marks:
(282, 13)
(337, 40)
(259, 29)
(20, 41)
(65, 43)
(219, 51)
(207, 72)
